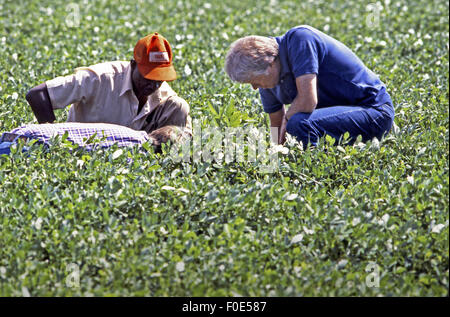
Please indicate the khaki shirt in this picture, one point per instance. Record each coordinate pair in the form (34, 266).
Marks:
(104, 93)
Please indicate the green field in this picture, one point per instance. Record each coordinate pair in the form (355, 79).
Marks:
(362, 220)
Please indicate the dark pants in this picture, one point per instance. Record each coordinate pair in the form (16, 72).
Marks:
(369, 122)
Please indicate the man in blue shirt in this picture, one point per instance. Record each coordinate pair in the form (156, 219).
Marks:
(92, 135)
(329, 89)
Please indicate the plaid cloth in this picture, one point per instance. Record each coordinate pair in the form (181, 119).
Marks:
(86, 135)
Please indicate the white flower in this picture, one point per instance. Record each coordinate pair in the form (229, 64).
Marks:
(419, 42)
(375, 145)
(187, 70)
(308, 231)
(91, 239)
(180, 266)
(292, 141)
(389, 244)
(356, 221)
(342, 263)
(297, 238)
(410, 179)
(384, 220)
(437, 228)
(37, 223)
(278, 148)
(14, 96)
(80, 163)
(163, 230)
(2, 271)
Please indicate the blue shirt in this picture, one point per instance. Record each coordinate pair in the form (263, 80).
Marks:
(342, 78)
(80, 133)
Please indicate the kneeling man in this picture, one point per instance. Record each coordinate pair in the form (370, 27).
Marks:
(329, 89)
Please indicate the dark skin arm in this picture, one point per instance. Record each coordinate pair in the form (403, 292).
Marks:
(40, 103)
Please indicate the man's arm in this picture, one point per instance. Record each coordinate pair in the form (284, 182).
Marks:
(306, 100)
(40, 103)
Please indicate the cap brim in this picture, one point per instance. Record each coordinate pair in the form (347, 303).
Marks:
(162, 73)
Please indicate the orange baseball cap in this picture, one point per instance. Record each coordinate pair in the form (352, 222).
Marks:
(153, 56)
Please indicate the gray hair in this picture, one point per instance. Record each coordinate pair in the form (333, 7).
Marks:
(249, 57)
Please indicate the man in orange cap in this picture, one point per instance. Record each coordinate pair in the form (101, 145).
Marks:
(134, 94)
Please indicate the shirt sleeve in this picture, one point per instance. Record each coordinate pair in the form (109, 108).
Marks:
(303, 52)
(269, 101)
(73, 88)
